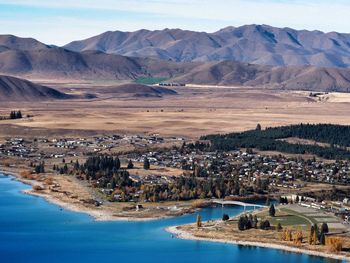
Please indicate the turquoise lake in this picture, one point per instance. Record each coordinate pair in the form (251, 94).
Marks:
(33, 230)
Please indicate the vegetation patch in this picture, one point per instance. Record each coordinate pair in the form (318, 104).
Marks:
(270, 140)
(149, 80)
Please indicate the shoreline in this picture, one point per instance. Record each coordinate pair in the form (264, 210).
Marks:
(178, 233)
(95, 214)
(181, 234)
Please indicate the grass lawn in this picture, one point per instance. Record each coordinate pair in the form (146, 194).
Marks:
(149, 80)
(288, 217)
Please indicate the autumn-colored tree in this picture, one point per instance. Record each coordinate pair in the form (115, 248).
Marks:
(286, 235)
(298, 237)
(199, 221)
(335, 244)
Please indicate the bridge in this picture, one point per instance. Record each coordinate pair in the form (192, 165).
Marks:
(227, 202)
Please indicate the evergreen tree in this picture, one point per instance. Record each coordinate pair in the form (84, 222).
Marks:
(324, 228)
(225, 217)
(255, 221)
(322, 238)
(311, 235)
(146, 164)
(76, 165)
(130, 164)
(117, 163)
(272, 210)
(241, 223)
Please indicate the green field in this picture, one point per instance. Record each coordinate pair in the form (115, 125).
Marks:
(288, 217)
(149, 80)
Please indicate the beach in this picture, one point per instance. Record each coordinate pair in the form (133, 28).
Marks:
(182, 234)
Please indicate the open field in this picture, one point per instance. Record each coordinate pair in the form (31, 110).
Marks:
(193, 112)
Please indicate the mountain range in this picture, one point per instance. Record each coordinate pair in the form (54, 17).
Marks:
(187, 57)
(257, 44)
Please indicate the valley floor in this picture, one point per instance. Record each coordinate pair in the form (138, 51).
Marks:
(194, 111)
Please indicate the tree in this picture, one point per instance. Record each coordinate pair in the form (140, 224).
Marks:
(241, 223)
(117, 163)
(225, 217)
(130, 165)
(272, 210)
(279, 227)
(76, 165)
(322, 238)
(311, 235)
(297, 199)
(146, 164)
(298, 237)
(334, 243)
(199, 221)
(265, 225)
(40, 168)
(315, 235)
(324, 228)
(255, 221)
(258, 127)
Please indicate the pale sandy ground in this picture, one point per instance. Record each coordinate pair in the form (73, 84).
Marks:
(193, 112)
(185, 235)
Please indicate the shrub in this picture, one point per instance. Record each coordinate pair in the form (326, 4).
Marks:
(225, 217)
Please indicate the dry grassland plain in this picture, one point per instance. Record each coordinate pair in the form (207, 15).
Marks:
(194, 111)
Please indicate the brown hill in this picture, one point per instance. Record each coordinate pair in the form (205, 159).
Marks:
(290, 78)
(258, 44)
(62, 63)
(52, 62)
(139, 90)
(15, 89)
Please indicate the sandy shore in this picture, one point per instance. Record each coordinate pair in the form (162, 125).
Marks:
(98, 213)
(186, 235)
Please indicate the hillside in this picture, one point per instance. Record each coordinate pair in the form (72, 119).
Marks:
(258, 44)
(31, 59)
(289, 78)
(15, 89)
(54, 62)
(19, 43)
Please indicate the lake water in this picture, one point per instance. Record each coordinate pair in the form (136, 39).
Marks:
(33, 230)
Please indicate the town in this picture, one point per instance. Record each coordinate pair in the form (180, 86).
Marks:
(180, 169)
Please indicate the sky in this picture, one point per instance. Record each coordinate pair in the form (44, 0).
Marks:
(62, 21)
